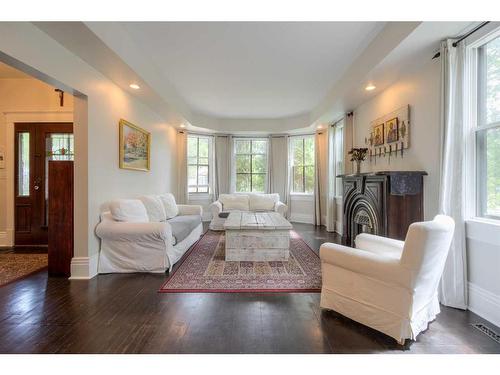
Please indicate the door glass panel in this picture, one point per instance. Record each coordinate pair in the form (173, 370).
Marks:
(23, 183)
(58, 146)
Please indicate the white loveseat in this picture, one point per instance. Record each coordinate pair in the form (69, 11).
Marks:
(387, 284)
(238, 202)
(148, 234)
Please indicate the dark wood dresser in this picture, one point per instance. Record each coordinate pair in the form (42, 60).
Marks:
(381, 203)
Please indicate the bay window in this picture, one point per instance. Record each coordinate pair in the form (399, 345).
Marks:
(302, 162)
(251, 165)
(198, 149)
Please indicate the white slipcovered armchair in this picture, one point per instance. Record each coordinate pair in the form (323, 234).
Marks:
(386, 284)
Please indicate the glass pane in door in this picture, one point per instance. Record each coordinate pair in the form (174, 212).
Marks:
(58, 146)
(23, 173)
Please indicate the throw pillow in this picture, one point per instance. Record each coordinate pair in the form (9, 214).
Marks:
(171, 209)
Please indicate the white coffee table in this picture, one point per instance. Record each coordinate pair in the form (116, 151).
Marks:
(262, 236)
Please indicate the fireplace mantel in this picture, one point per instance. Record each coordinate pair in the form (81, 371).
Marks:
(384, 203)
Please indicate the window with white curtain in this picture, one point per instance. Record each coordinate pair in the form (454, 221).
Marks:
(250, 164)
(338, 141)
(302, 163)
(487, 128)
(198, 150)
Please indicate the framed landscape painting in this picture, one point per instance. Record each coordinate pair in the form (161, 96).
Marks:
(134, 147)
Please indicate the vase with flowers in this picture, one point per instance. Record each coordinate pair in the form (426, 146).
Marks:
(358, 155)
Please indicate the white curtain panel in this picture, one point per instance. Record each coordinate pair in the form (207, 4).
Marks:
(222, 165)
(331, 172)
(278, 167)
(182, 187)
(348, 143)
(453, 287)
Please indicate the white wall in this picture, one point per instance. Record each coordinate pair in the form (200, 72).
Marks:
(421, 91)
(21, 97)
(96, 149)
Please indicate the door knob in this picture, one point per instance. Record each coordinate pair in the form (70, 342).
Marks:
(36, 187)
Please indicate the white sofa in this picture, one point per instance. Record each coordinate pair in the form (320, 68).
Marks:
(238, 202)
(148, 234)
(386, 284)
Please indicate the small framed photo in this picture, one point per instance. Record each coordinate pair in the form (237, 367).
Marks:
(392, 130)
(378, 135)
(134, 147)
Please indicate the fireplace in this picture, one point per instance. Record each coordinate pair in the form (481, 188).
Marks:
(381, 203)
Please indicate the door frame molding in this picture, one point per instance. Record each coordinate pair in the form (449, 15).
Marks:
(12, 117)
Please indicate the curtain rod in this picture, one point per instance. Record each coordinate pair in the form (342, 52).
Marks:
(466, 35)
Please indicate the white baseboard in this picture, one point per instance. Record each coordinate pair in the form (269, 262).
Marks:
(84, 268)
(484, 303)
(7, 238)
(302, 218)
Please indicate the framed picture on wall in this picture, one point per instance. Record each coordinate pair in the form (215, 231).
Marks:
(391, 127)
(134, 147)
(378, 135)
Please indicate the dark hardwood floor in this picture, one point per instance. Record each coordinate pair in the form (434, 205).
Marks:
(125, 314)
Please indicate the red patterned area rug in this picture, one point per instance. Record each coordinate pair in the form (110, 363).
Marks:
(17, 266)
(204, 270)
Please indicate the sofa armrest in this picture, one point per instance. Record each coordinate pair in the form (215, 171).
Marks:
(379, 245)
(281, 208)
(373, 265)
(121, 231)
(190, 209)
(216, 208)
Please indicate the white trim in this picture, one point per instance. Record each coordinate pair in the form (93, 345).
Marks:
(6, 238)
(338, 227)
(484, 303)
(12, 117)
(302, 218)
(84, 268)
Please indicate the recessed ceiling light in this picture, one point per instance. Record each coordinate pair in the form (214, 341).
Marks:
(134, 86)
(370, 87)
(319, 127)
(182, 126)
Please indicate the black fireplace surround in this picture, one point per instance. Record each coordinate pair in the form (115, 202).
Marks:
(381, 203)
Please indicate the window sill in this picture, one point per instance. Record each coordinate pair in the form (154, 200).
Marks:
(199, 196)
(483, 230)
(302, 196)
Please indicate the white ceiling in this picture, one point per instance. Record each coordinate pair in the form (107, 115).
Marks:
(249, 70)
(253, 77)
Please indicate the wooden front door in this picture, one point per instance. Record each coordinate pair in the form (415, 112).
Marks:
(35, 145)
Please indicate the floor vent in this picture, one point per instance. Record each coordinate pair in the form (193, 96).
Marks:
(487, 331)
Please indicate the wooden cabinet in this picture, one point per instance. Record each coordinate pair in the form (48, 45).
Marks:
(382, 203)
(60, 203)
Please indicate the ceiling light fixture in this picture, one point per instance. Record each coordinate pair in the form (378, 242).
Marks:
(182, 126)
(134, 86)
(370, 87)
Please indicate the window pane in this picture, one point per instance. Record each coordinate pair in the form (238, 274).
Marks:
(297, 149)
(493, 81)
(298, 181)
(242, 163)
(203, 189)
(242, 146)
(192, 175)
(202, 175)
(192, 189)
(192, 160)
(259, 147)
(309, 151)
(192, 146)
(24, 164)
(258, 183)
(203, 161)
(259, 164)
(203, 147)
(309, 177)
(489, 169)
(242, 182)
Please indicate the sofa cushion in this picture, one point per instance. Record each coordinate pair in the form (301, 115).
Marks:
(182, 226)
(171, 209)
(234, 202)
(128, 210)
(154, 208)
(263, 202)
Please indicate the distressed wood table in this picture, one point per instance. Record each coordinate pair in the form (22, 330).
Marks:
(257, 236)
